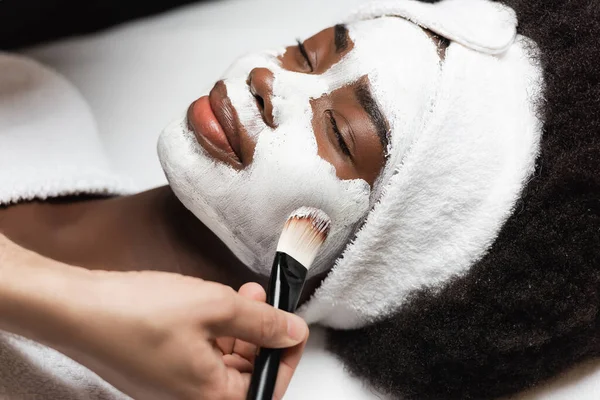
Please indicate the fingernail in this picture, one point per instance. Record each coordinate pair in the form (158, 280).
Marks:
(297, 328)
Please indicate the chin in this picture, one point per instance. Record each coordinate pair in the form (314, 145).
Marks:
(196, 179)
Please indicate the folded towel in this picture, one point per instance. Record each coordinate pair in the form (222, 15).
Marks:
(49, 144)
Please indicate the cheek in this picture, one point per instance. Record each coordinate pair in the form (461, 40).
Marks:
(289, 169)
(292, 140)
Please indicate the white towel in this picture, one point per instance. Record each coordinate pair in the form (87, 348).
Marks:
(48, 139)
(31, 371)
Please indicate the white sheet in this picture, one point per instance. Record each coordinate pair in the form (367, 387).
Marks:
(138, 76)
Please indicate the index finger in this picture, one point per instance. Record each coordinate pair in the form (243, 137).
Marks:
(287, 367)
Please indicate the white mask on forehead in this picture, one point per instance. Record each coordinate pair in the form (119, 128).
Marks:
(247, 209)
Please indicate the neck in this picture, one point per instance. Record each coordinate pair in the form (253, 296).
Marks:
(150, 230)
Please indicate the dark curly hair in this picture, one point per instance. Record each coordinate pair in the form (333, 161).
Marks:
(529, 309)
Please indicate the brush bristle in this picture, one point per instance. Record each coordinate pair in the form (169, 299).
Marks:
(303, 235)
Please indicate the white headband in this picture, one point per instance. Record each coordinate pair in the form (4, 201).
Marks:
(462, 175)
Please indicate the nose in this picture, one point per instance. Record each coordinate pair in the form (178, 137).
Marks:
(260, 82)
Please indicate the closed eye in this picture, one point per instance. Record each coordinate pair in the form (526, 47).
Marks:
(305, 54)
(338, 134)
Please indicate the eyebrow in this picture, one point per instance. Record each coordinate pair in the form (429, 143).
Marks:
(366, 100)
(341, 38)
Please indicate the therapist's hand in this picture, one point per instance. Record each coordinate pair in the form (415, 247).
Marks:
(152, 335)
(158, 335)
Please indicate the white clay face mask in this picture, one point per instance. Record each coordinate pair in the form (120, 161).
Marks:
(247, 209)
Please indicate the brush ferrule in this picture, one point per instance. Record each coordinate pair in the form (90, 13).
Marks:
(286, 282)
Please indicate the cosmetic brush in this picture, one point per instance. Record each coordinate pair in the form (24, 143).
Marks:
(303, 235)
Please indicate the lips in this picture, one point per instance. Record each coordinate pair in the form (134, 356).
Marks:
(216, 126)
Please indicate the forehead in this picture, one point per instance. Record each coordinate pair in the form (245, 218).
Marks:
(402, 65)
(394, 54)
(388, 49)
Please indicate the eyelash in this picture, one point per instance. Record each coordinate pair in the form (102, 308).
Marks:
(340, 138)
(304, 54)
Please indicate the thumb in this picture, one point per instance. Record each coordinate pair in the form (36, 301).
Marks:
(260, 324)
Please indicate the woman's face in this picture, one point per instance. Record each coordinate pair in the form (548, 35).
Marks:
(349, 129)
(310, 125)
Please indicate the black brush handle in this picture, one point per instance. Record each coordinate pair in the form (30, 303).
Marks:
(283, 292)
